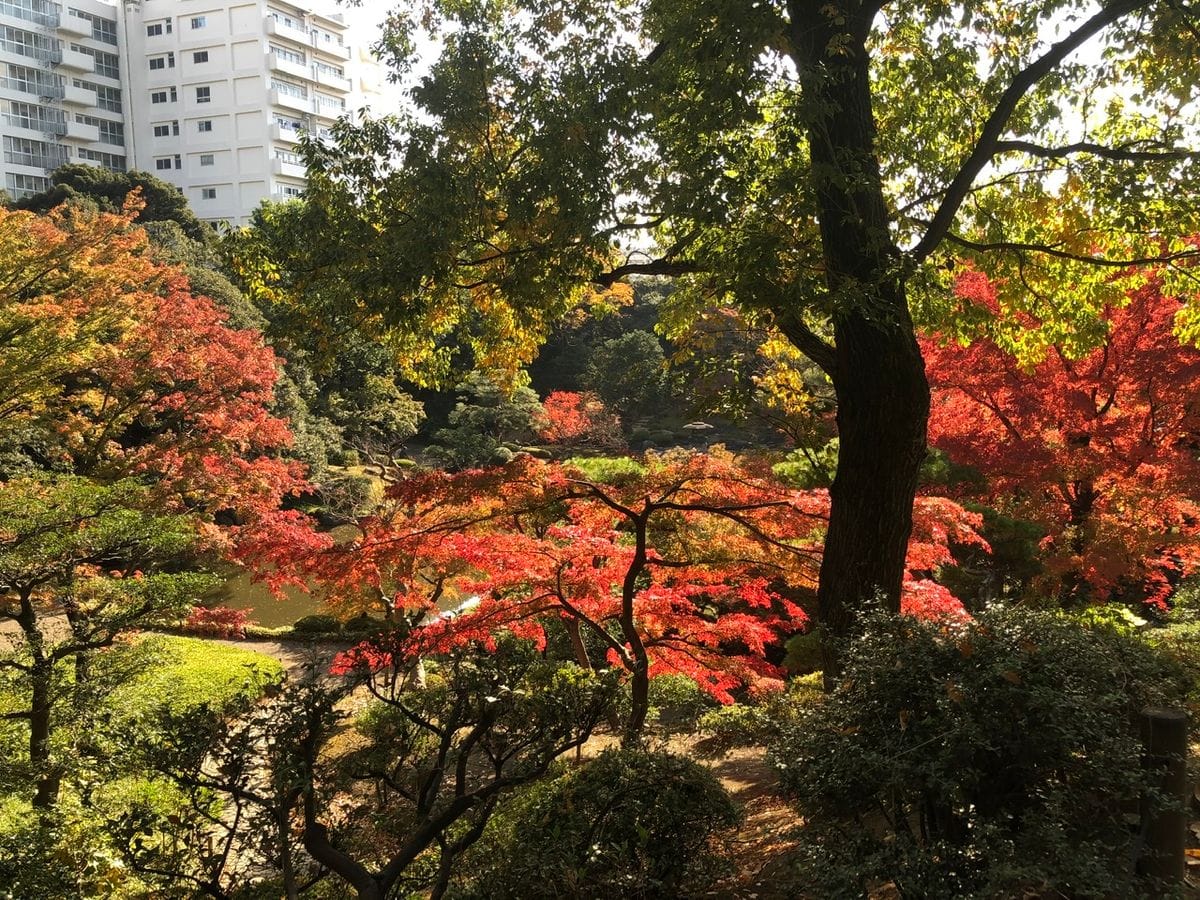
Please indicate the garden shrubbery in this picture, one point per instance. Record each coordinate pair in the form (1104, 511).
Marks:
(985, 759)
(629, 823)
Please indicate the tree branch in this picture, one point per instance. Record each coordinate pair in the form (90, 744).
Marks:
(804, 339)
(1120, 154)
(654, 267)
(1050, 250)
(993, 128)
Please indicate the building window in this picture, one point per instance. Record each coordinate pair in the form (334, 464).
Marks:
(162, 130)
(203, 95)
(110, 161)
(163, 165)
(204, 125)
(178, 161)
(169, 95)
(157, 62)
(200, 56)
(199, 22)
(208, 193)
(154, 30)
(207, 159)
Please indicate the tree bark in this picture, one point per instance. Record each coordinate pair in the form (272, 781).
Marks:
(878, 371)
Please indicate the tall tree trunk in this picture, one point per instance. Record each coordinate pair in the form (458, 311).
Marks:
(1074, 589)
(878, 371)
(40, 707)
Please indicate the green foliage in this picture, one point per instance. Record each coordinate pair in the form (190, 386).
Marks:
(628, 823)
(108, 190)
(349, 495)
(677, 703)
(807, 468)
(485, 418)
(188, 676)
(375, 416)
(757, 724)
(613, 470)
(979, 760)
(629, 373)
(317, 623)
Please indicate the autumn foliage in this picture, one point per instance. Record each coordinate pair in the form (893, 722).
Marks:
(1100, 450)
(129, 373)
(682, 563)
(573, 419)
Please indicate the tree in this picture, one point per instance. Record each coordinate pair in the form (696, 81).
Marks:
(154, 417)
(686, 563)
(629, 373)
(1099, 450)
(96, 556)
(164, 202)
(487, 416)
(818, 164)
(579, 420)
(376, 418)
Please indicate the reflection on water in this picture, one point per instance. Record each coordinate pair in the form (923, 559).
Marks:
(241, 591)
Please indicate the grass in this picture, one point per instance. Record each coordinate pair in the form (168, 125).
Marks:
(184, 674)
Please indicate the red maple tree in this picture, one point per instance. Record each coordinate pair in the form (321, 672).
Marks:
(1101, 451)
(683, 563)
(573, 419)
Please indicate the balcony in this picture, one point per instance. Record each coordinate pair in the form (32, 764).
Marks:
(276, 28)
(77, 96)
(332, 80)
(288, 169)
(75, 26)
(79, 131)
(290, 101)
(341, 51)
(285, 135)
(80, 62)
(278, 63)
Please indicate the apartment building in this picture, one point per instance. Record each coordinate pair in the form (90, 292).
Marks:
(219, 93)
(60, 90)
(211, 96)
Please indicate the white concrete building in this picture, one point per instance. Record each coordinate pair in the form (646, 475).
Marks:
(210, 95)
(219, 92)
(60, 90)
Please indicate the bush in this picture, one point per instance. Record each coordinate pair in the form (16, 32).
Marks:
(757, 724)
(614, 470)
(351, 495)
(985, 759)
(486, 417)
(628, 824)
(183, 675)
(677, 703)
(217, 621)
(317, 623)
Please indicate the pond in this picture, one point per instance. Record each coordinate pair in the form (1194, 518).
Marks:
(241, 591)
